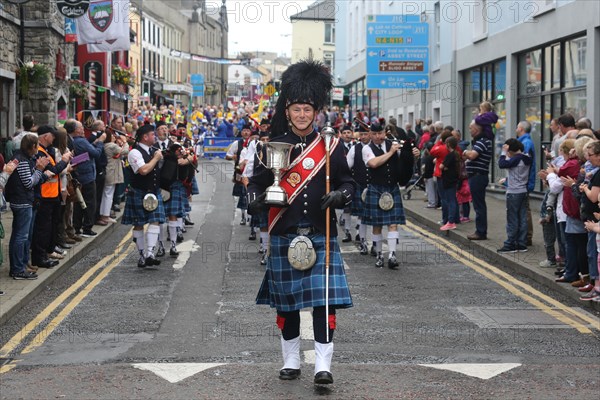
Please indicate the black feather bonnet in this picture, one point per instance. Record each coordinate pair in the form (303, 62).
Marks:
(306, 82)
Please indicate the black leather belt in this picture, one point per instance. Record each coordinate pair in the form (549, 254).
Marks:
(477, 173)
(302, 231)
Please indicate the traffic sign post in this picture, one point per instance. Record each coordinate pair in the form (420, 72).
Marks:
(270, 90)
(397, 52)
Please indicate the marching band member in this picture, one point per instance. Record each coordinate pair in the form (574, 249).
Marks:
(360, 173)
(296, 270)
(144, 204)
(177, 169)
(389, 164)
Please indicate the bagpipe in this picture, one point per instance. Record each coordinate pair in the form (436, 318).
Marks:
(406, 159)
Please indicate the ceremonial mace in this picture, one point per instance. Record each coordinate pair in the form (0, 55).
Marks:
(327, 133)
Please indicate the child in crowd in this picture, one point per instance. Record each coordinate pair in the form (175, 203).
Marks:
(487, 118)
(450, 173)
(518, 165)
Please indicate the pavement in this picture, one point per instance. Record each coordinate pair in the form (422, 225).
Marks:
(19, 293)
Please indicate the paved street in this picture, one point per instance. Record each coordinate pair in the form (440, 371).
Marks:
(450, 323)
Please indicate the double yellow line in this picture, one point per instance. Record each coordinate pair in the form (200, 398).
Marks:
(20, 337)
(548, 305)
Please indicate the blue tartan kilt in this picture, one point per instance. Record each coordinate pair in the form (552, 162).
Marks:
(374, 215)
(288, 289)
(135, 214)
(358, 206)
(195, 188)
(260, 221)
(178, 203)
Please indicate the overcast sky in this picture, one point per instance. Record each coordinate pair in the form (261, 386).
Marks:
(262, 25)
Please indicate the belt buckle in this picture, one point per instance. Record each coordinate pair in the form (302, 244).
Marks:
(304, 231)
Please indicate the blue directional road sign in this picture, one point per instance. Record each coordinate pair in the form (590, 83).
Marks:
(197, 81)
(397, 52)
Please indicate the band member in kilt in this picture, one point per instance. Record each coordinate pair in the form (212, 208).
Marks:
(177, 169)
(296, 270)
(360, 173)
(233, 153)
(259, 221)
(143, 204)
(347, 141)
(390, 163)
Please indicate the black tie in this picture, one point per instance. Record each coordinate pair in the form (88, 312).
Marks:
(163, 146)
(379, 146)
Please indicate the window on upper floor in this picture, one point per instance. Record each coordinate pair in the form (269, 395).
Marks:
(543, 6)
(329, 32)
(480, 26)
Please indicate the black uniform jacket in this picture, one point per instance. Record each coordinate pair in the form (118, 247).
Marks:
(308, 203)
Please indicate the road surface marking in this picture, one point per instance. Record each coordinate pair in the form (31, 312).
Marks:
(185, 252)
(20, 336)
(306, 325)
(481, 371)
(509, 282)
(175, 372)
(41, 337)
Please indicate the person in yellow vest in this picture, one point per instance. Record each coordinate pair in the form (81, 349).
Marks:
(46, 207)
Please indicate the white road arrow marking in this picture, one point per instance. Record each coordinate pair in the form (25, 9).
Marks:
(185, 252)
(481, 371)
(175, 372)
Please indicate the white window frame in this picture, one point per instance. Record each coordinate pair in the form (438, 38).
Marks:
(480, 25)
(544, 6)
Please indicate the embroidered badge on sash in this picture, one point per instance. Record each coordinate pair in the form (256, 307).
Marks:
(294, 179)
(308, 163)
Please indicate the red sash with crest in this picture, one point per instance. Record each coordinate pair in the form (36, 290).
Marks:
(300, 172)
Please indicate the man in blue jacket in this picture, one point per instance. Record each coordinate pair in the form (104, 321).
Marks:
(524, 136)
(85, 173)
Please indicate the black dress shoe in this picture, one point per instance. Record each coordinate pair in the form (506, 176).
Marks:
(141, 262)
(357, 238)
(65, 246)
(393, 263)
(373, 251)
(46, 264)
(173, 252)
(287, 374)
(150, 261)
(379, 262)
(252, 236)
(323, 378)
(160, 252)
(188, 221)
(179, 237)
(348, 238)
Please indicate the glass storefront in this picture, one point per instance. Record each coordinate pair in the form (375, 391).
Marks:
(552, 81)
(486, 83)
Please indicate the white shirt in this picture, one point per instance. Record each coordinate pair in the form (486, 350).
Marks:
(159, 144)
(135, 158)
(368, 154)
(249, 154)
(233, 148)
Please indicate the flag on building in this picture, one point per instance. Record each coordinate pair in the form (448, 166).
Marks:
(105, 27)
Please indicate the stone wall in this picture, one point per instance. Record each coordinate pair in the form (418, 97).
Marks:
(44, 37)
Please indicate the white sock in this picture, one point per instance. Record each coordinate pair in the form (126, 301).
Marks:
(180, 222)
(264, 237)
(173, 231)
(377, 241)
(347, 221)
(139, 240)
(362, 231)
(392, 240)
(151, 239)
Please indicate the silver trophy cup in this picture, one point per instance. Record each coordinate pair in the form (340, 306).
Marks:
(278, 160)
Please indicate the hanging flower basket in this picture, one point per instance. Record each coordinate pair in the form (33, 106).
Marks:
(77, 89)
(123, 74)
(31, 74)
